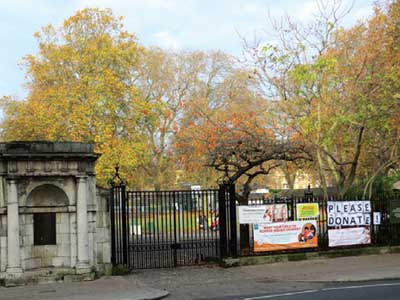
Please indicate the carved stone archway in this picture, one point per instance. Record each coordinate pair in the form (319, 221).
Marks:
(49, 209)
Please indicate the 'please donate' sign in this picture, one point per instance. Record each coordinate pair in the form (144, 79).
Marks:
(349, 213)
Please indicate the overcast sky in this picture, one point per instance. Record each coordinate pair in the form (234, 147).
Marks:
(174, 24)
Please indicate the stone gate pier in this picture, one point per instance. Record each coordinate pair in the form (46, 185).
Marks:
(54, 221)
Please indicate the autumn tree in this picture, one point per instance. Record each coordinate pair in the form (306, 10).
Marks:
(330, 86)
(355, 102)
(81, 87)
(173, 83)
(220, 87)
(236, 137)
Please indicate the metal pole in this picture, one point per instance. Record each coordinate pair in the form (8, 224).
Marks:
(222, 221)
(124, 226)
(175, 229)
(232, 221)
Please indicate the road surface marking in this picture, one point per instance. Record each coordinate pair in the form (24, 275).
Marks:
(281, 295)
(360, 286)
(323, 290)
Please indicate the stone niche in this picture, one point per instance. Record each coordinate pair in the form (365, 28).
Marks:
(54, 221)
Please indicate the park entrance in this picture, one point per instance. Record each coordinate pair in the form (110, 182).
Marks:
(161, 229)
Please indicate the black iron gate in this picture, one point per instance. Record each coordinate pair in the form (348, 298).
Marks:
(158, 229)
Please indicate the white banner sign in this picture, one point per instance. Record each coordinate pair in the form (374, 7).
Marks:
(261, 214)
(349, 213)
(285, 235)
(349, 236)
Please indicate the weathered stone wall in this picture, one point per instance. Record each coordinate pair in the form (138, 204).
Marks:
(41, 256)
(40, 196)
(3, 242)
(57, 178)
(103, 232)
(3, 228)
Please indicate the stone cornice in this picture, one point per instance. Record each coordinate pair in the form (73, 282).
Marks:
(40, 150)
(49, 156)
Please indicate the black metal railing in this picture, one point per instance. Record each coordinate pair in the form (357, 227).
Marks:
(157, 229)
(386, 233)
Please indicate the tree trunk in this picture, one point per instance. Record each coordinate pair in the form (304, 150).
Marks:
(353, 170)
(322, 175)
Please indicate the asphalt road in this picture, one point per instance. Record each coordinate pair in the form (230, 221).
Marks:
(339, 278)
(383, 290)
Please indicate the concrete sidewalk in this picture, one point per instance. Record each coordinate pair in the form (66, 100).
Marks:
(209, 281)
(106, 288)
(352, 268)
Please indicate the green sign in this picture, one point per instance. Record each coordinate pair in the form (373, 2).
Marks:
(307, 210)
(395, 211)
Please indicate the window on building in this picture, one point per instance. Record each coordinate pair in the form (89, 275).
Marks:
(44, 229)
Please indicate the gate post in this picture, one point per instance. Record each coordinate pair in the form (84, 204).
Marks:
(222, 221)
(232, 221)
(227, 220)
(111, 203)
(119, 224)
(124, 224)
